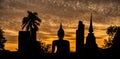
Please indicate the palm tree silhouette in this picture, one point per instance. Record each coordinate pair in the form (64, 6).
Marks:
(31, 23)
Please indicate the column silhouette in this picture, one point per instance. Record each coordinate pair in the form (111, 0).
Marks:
(23, 42)
(80, 39)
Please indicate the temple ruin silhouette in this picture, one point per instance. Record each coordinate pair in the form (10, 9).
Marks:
(30, 48)
(91, 47)
(80, 39)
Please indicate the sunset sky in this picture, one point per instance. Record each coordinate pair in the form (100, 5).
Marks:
(105, 13)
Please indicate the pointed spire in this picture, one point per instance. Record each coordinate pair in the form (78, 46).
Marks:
(60, 25)
(91, 27)
(60, 31)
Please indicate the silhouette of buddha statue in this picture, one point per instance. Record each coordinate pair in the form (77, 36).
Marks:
(62, 46)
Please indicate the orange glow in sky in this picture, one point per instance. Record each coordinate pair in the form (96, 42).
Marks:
(52, 12)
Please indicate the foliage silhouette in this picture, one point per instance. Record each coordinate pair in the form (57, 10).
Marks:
(113, 42)
(31, 21)
(115, 49)
(111, 32)
(2, 39)
(44, 47)
(107, 43)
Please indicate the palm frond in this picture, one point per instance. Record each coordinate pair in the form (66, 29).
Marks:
(23, 26)
(38, 19)
(25, 20)
(32, 21)
(37, 23)
(35, 27)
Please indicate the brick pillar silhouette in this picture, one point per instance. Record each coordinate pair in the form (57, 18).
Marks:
(80, 39)
(23, 41)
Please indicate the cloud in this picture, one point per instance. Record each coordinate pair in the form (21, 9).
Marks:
(11, 36)
(67, 9)
(12, 39)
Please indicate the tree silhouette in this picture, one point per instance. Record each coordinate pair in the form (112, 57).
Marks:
(31, 21)
(107, 43)
(116, 39)
(113, 43)
(44, 47)
(2, 39)
(111, 32)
